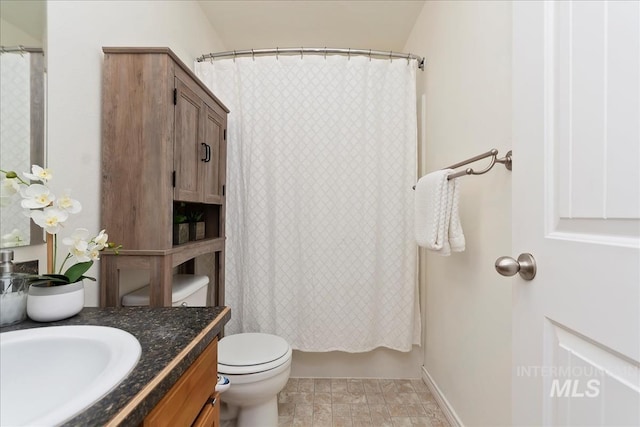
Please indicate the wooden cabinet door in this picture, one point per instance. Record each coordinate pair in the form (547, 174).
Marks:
(214, 125)
(184, 402)
(189, 148)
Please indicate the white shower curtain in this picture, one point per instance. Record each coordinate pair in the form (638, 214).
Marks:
(321, 161)
(15, 134)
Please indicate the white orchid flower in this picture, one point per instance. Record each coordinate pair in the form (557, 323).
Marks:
(101, 240)
(36, 196)
(51, 219)
(78, 236)
(66, 203)
(9, 187)
(15, 238)
(82, 255)
(94, 252)
(50, 213)
(39, 174)
(79, 242)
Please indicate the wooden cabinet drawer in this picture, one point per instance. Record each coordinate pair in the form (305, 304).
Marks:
(183, 404)
(210, 414)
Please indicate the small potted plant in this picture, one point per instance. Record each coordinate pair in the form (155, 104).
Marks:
(196, 225)
(60, 293)
(180, 229)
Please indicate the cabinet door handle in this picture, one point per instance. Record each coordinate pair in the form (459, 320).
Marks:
(208, 148)
(206, 152)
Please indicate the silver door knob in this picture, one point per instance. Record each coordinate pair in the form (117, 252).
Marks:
(525, 265)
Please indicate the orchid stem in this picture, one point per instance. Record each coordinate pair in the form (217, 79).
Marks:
(55, 251)
(17, 177)
(63, 263)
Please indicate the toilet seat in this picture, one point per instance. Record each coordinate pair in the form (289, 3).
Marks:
(251, 353)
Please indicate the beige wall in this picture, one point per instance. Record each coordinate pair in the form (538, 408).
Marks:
(467, 319)
(22, 23)
(77, 31)
(10, 35)
(467, 305)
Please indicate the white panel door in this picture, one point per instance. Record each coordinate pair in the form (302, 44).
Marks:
(576, 208)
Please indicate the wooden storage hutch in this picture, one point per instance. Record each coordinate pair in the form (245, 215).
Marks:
(163, 151)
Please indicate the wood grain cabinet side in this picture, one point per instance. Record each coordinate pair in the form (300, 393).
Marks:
(163, 141)
(190, 402)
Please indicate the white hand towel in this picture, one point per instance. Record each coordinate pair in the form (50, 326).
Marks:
(437, 220)
(456, 236)
(431, 219)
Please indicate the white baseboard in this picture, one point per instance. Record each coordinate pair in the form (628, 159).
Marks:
(442, 401)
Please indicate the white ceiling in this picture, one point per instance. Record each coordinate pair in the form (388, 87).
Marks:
(359, 24)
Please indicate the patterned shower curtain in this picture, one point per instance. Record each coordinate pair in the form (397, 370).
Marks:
(321, 161)
(15, 134)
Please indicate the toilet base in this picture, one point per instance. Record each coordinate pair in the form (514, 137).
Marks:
(263, 415)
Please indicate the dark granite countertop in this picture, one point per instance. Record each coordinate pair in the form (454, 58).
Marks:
(165, 334)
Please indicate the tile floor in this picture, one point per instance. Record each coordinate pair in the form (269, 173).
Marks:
(314, 402)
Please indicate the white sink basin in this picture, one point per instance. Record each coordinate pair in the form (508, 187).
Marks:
(50, 374)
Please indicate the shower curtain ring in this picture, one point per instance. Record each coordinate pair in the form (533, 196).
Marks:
(277, 59)
(253, 55)
(234, 56)
(301, 52)
(408, 57)
(211, 58)
(369, 55)
(349, 54)
(325, 52)
(391, 56)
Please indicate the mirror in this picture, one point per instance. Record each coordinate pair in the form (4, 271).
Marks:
(22, 108)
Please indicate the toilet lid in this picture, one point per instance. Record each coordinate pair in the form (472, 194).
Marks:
(251, 352)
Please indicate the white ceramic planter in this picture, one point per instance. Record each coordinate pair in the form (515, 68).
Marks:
(51, 303)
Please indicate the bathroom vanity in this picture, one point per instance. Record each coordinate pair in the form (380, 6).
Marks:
(174, 381)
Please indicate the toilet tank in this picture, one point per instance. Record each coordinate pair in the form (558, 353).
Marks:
(187, 290)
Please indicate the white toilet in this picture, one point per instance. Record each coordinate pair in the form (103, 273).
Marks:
(187, 290)
(258, 367)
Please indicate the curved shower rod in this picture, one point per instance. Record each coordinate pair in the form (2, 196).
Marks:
(20, 49)
(314, 50)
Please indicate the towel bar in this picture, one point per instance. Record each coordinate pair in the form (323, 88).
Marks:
(506, 161)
